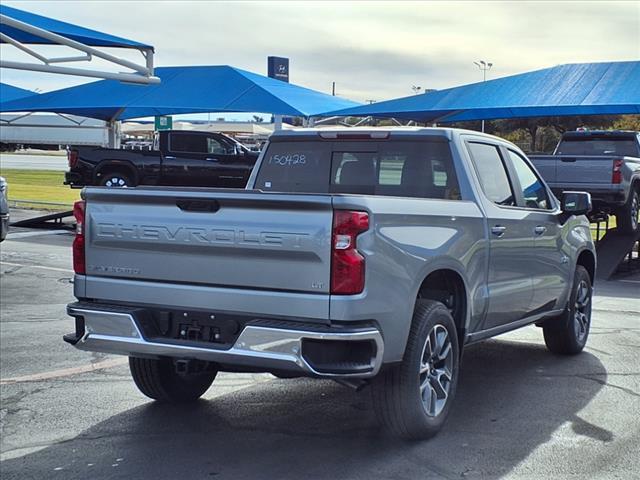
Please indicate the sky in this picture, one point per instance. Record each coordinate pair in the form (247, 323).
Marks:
(372, 50)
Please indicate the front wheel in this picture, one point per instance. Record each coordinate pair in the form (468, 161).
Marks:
(628, 217)
(568, 333)
(159, 380)
(413, 399)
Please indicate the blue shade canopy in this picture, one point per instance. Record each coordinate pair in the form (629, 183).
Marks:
(9, 92)
(87, 36)
(574, 89)
(183, 90)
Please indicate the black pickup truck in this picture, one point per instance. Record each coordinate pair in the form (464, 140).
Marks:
(185, 158)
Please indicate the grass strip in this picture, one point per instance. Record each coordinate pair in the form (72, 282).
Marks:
(40, 186)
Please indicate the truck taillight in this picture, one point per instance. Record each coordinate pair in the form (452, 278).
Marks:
(347, 265)
(616, 173)
(78, 242)
(72, 158)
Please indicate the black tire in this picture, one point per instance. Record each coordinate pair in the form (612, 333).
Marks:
(628, 217)
(158, 380)
(568, 333)
(116, 180)
(398, 398)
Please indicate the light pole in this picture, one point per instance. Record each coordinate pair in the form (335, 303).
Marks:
(416, 89)
(484, 66)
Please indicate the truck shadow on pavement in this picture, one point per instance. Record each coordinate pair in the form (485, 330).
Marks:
(512, 397)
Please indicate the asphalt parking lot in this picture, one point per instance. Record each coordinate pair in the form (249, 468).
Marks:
(520, 412)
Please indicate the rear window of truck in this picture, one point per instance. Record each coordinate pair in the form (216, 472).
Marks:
(593, 146)
(394, 168)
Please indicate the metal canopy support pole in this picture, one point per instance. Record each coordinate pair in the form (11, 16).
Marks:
(144, 74)
(113, 129)
(277, 122)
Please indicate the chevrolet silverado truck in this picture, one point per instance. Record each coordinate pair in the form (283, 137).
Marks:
(604, 163)
(367, 256)
(187, 158)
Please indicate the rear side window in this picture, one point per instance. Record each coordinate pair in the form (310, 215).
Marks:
(394, 168)
(181, 142)
(592, 145)
(295, 167)
(492, 173)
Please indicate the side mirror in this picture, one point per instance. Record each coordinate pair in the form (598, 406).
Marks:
(576, 203)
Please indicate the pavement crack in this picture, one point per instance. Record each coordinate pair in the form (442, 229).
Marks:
(608, 384)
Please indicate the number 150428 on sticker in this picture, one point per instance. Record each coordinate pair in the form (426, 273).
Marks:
(288, 159)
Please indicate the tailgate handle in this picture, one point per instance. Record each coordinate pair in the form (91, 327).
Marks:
(190, 205)
(568, 159)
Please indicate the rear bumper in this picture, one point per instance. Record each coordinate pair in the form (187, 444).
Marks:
(74, 179)
(117, 330)
(601, 195)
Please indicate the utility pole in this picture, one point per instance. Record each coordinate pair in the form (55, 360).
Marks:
(333, 89)
(484, 66)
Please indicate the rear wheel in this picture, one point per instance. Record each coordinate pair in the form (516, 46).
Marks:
(158, 379)
(413, 399)
(568, 333)
(116, 179)
(628, 217)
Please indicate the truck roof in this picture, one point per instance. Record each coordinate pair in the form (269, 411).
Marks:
(375, 132)
(600, 133)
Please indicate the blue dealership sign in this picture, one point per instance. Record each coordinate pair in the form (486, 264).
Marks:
(278, 67)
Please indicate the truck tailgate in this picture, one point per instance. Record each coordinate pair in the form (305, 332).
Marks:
(579, 169)
(546, 166)
(210, 237)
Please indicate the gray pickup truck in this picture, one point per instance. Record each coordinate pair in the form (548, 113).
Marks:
(370, 256)
(605, 163)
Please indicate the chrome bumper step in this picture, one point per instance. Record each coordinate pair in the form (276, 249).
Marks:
(110, 330)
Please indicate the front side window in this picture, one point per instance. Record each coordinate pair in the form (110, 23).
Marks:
(492, 173)
(216, 147)
(534, 193)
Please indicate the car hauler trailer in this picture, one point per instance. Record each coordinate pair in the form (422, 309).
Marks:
(50, 131)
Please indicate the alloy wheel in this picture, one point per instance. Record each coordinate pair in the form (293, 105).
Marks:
(115, 182)
(635, 211)
(436, 370)
(582, 311)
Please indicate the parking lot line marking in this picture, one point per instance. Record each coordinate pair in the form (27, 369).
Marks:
(630, 281)
(66, 372)
(11, 236)
(65, 270)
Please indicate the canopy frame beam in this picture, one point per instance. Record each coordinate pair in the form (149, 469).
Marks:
(143, 73)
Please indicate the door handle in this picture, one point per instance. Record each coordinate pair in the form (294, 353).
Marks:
(498, 230)
(540, 229)
(211, 159)
(169, 157)
(567, 159)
